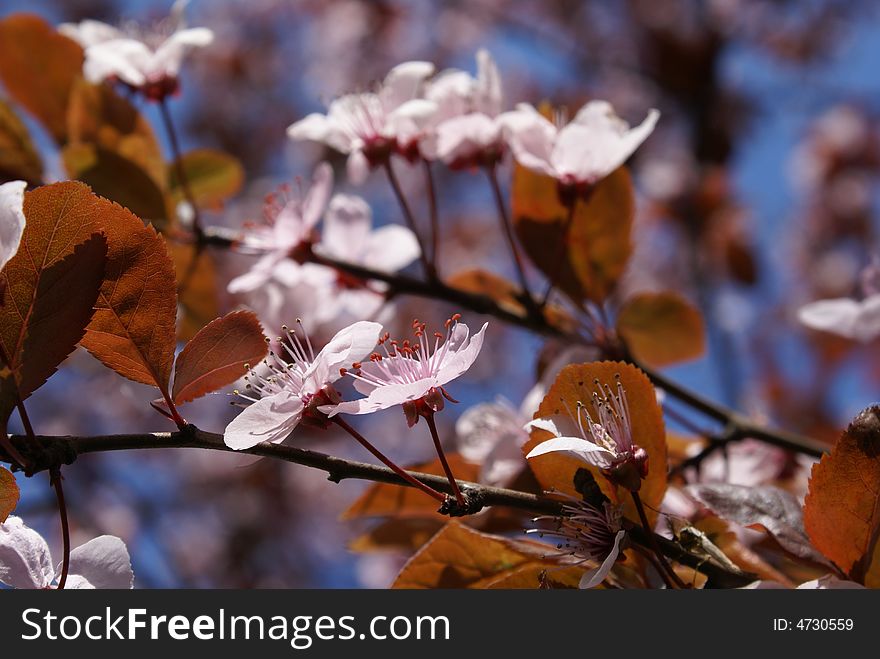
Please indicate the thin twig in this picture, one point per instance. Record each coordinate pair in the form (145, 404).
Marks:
(410, 219)
(429, 418)
(507, 231)
(433, 211)
(55, 479)
(667, 573)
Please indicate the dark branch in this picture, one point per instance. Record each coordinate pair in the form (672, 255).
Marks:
(48, 452)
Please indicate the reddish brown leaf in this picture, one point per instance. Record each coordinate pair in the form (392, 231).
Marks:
(599, 243)
(49, 301)
(661, 328)
(842, 508)
(9, 494)
(38, 67)
(576, 383)
(217, 355)
(459, 557)
(402, 535)
(384, 500)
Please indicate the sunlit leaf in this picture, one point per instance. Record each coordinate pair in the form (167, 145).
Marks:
(842, 507)
(460, 557)
(9, 493)
(217, 356)
(213, 177)
(661, 328)
(19, 159)
(574, 384)
(599, 244)
(38, 67)
(384, 500)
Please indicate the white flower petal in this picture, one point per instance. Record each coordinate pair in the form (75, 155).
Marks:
(89, 32)
(592, 578)
(575, 447)
(531, 138)
(11, 219)
(390, 248)
(103, 563)
(459, 359)
(169, 56)
(837, 316)
(346, 228)
(126, 59)
(349, 345)
(316, 198)
(270, 419)
(25, 561)
(404, 82)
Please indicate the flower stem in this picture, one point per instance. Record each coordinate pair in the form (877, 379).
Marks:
(430, 491)
(55, 479)
(430, 272)
(432, 206)
(669, 576)
(557, 264)
(507, 230)
(452, 482)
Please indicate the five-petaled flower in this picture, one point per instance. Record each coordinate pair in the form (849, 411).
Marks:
(577, 154)
(287, 233)
(25, 561)
(148, 61)
(372, 126)
(295, 388)
(466, 131)
(348, 236)
(605, 442)
(413, 374)
(588, 533)
(11, 219)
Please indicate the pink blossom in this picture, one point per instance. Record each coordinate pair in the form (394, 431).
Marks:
(148, 61)
(290, 221)
(25, 561)
(371, 126)
(580, 153)
(858, 320)
(587, 533)
(466, 127)
(11, 219)
(297, 385)
(413, 374)
(603, 439)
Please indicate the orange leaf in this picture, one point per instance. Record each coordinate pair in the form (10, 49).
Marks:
(198, 301)
(599, 243)
(38, 67)
(384, 500)
(576, 383)
(459, 557)
(397, 534)
(9, 493)
(842, 507)
(661, 328)
(217, 355)
(213, 177)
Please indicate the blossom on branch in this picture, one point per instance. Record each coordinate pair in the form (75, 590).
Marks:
(605, 442)
(297, 385)
(588, 533)
(289, 226)
(466, 128)
(577, 154)
(25, 561)
(11, 219)
(413, 374)
(370, 127)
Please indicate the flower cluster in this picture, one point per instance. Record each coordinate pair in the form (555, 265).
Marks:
(297, 386)
(458, 119)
